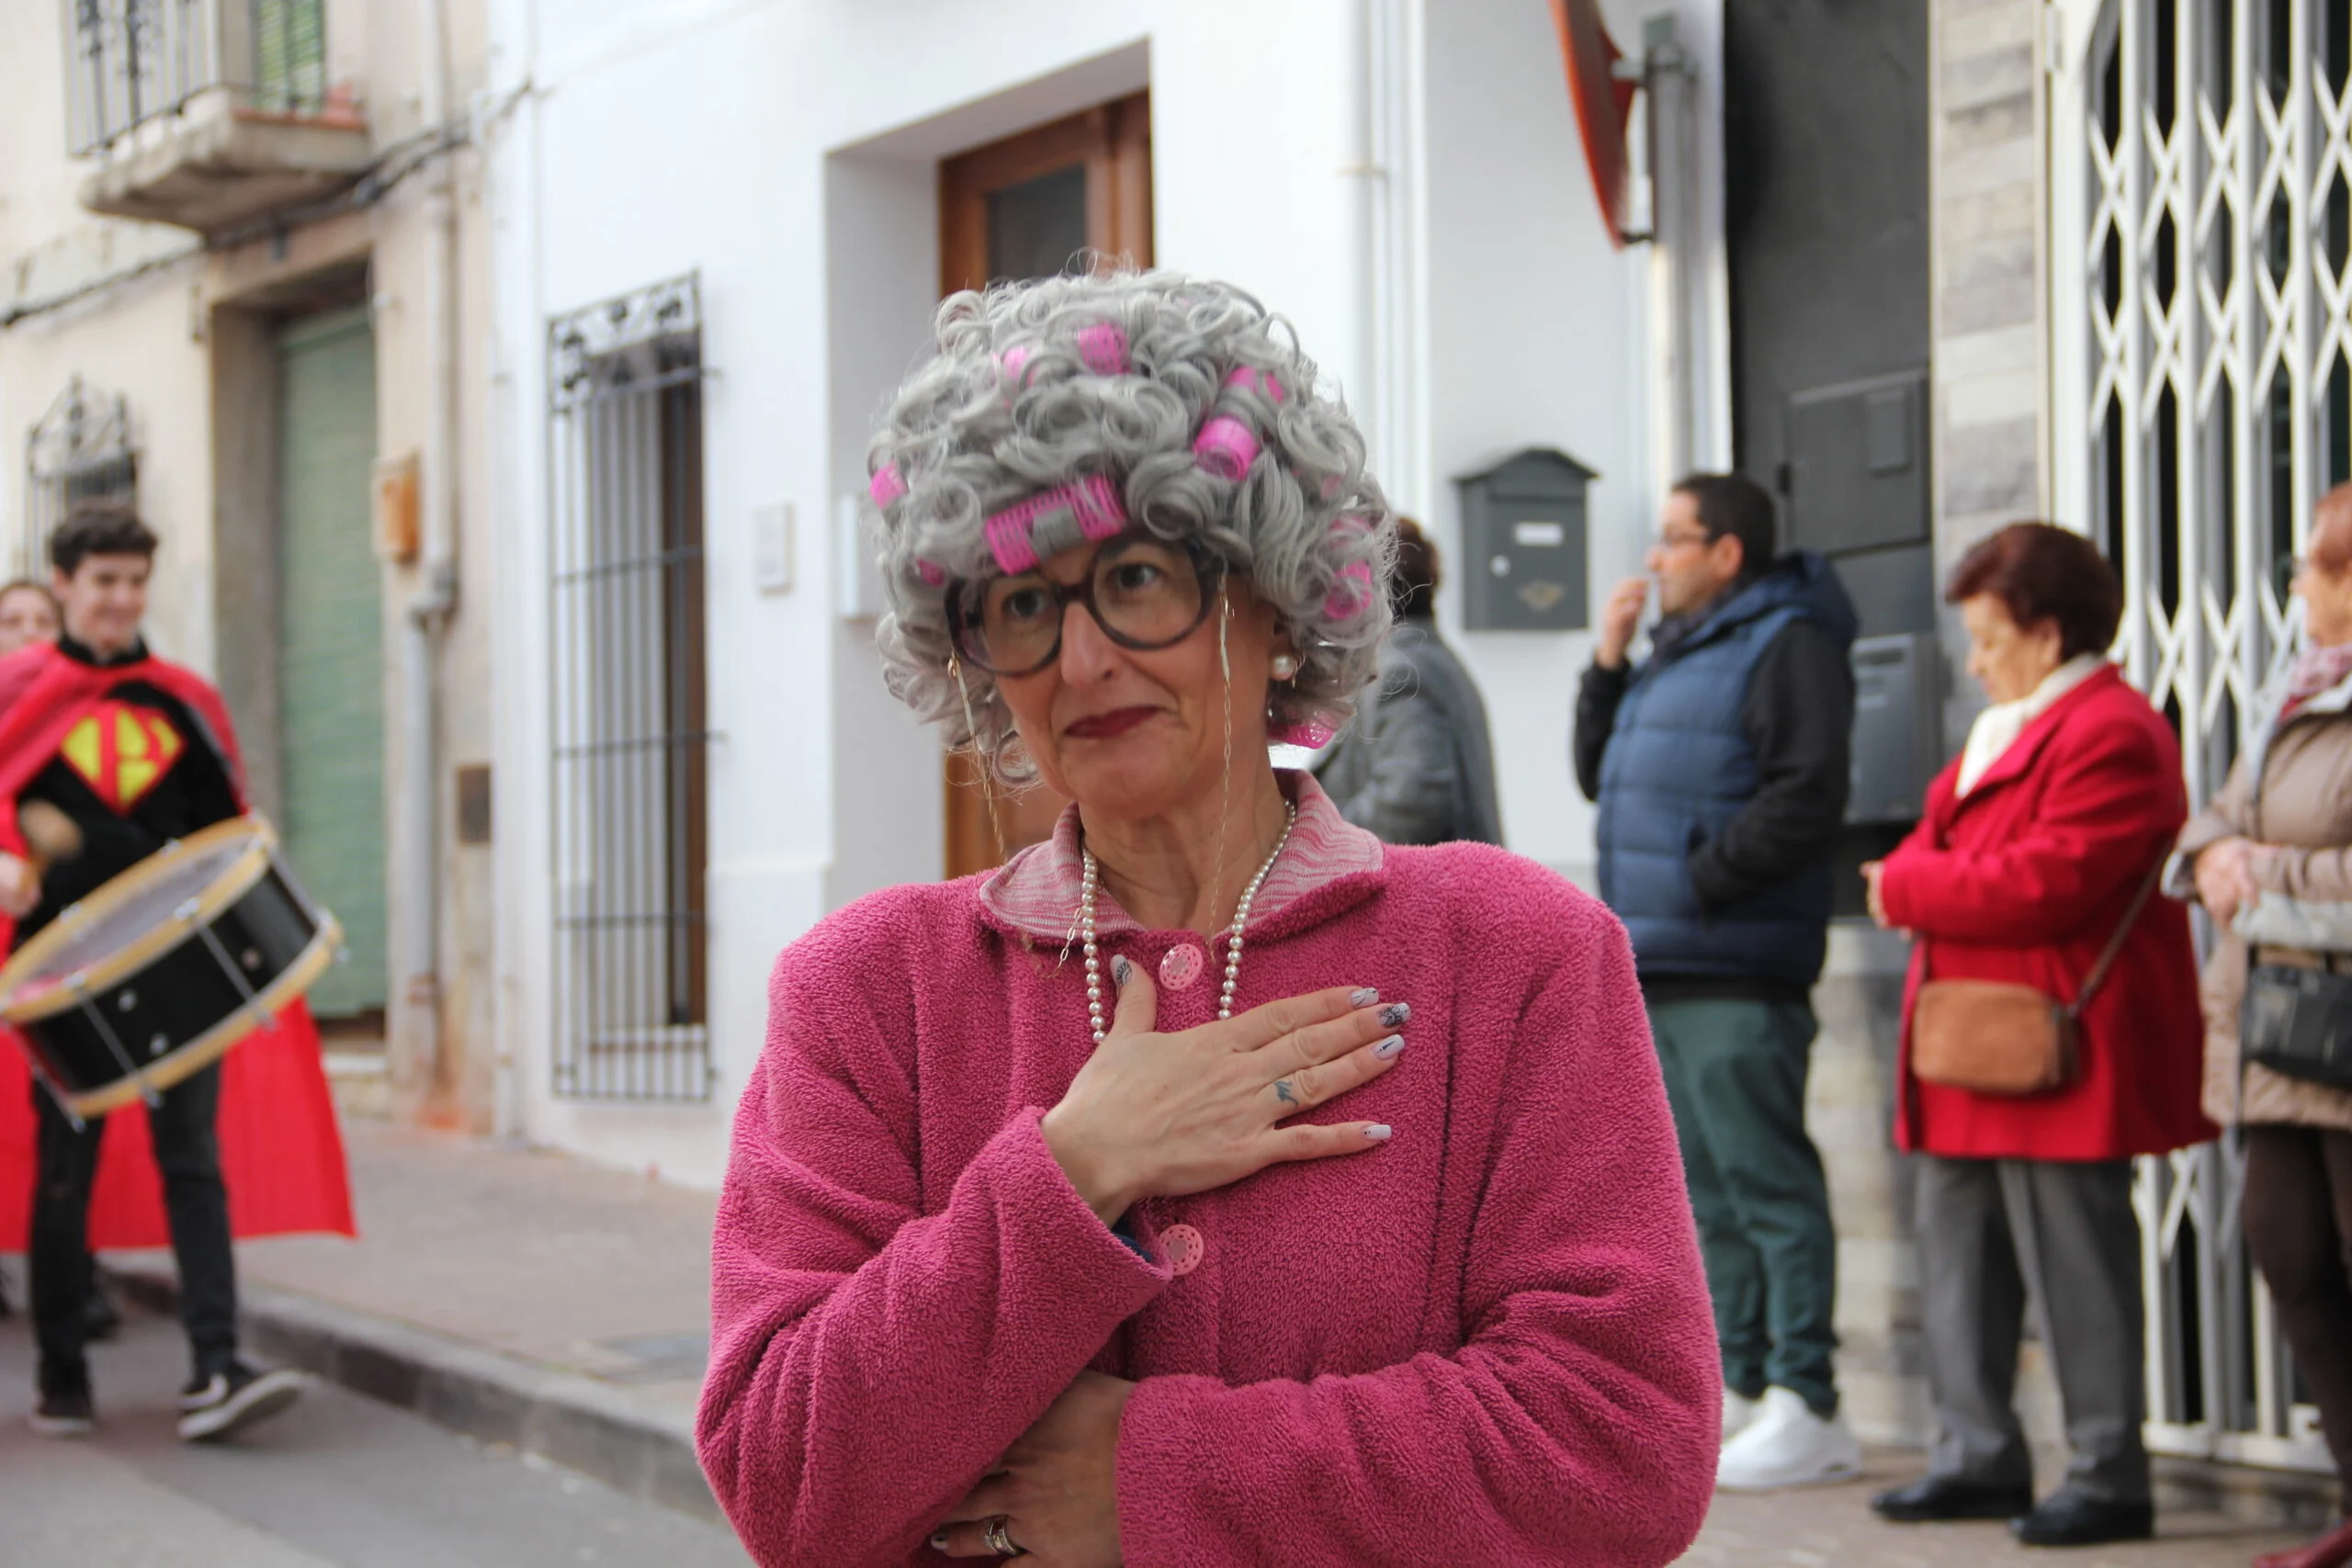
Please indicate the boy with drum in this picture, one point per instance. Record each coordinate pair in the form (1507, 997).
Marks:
(133, 753)
(29, 613)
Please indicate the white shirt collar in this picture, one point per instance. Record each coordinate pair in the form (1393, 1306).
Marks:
(1998, 728)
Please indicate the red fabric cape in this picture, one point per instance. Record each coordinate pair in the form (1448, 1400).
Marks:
(281, 1153)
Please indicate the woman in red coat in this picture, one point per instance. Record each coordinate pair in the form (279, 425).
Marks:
(2036, 849)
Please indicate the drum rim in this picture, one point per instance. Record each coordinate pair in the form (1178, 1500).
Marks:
(316, 957)
(235, 880)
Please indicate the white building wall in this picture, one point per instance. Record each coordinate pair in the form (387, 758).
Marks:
(140, 337)
(787, 155)
(1539, 335)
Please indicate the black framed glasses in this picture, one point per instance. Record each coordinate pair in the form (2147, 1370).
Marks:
(1143, 592)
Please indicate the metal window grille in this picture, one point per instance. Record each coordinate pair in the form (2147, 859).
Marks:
(2203, 310)
(630, 730)
(80, 450)
(129, 62)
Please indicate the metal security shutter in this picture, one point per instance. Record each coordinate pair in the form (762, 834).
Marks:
(330, 660)
(2201, 321)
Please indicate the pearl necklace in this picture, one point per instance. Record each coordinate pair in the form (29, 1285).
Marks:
(1233, 937)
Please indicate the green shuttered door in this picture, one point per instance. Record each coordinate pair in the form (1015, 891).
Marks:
(331, 650)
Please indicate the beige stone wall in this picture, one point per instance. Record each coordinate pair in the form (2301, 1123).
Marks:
(1990, 370)
(1986, 161)
(1990, 378)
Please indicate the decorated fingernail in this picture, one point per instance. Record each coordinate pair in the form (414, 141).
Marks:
(1380, 1132)
(1389, 1046)
(939, 1540)
(1395, 1013)
(1120, 970)
(1363, 996)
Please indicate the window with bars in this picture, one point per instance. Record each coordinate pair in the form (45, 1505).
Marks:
(80, 450)
(129, 62)
(2202, 305)
(630, 735)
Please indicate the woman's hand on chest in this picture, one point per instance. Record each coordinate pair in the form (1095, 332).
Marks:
(1164, 1115)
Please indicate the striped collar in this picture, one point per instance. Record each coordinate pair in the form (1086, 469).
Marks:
(1037, 890)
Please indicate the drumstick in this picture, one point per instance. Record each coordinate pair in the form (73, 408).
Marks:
(50, 836)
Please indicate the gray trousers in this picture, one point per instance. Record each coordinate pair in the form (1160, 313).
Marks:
(1992, 1230)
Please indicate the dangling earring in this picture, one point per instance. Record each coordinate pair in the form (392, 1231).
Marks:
(1285, 667)
(982, 773)
(1225, 783)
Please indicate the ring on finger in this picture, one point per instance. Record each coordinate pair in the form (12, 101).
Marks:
(994, 1537)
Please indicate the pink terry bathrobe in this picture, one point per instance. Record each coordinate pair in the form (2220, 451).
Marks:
(1486, 1342)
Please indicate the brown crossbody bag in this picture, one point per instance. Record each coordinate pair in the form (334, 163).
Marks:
(1999, 1037)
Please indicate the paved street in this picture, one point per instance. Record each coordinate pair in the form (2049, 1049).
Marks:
(554, 1261)
(1832, 1526)
(341, 1482)
(596, 1279)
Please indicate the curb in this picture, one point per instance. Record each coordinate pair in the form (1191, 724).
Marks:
(577, 1422)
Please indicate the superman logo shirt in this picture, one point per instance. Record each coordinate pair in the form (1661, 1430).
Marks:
(122, 751)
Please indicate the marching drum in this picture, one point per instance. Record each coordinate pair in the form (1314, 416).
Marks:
(157, 973)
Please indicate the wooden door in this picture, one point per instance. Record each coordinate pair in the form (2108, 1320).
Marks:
(1045, 202)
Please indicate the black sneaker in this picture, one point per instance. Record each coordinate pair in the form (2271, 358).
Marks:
(65, 1411)
(234, 1398)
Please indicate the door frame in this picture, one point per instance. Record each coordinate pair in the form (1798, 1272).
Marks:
(1112, 141)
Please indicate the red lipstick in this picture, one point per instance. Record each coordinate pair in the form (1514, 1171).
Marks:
(1103, 725)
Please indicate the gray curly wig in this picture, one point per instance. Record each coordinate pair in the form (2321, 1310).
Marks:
(1186, 401)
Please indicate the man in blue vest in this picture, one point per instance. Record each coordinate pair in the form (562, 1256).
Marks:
(1720, 764)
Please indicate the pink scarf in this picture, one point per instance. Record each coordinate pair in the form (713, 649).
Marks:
(2319, 669)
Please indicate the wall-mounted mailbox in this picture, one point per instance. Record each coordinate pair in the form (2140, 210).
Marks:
(1522, 566)
(1897, 727)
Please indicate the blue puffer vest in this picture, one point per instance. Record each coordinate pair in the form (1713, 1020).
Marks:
(1679, 767)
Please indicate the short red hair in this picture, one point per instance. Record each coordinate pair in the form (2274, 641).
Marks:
(2041, 574)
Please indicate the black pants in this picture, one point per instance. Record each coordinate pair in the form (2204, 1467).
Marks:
(2297, 1208)
(188, 1156)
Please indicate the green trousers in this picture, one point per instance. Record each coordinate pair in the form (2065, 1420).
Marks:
(1735, 1075)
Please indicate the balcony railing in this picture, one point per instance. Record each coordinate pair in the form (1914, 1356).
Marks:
(131, 61)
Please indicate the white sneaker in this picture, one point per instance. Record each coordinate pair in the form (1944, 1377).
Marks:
(1738, 1411)
(1787, 1445)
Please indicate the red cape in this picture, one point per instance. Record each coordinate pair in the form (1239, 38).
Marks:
(281, 1153)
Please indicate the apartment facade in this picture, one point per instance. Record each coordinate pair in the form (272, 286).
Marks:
(245, 288)
(722, 230)
(635, 279)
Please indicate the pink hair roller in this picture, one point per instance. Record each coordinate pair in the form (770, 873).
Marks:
(1225, 448)
(1313, 734)
(1103, 348)
(1008, 532)
(930, 571)
(1089, 508)
(1250, 380)
(1351, 595)
(1014, 359)
(886, 485)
